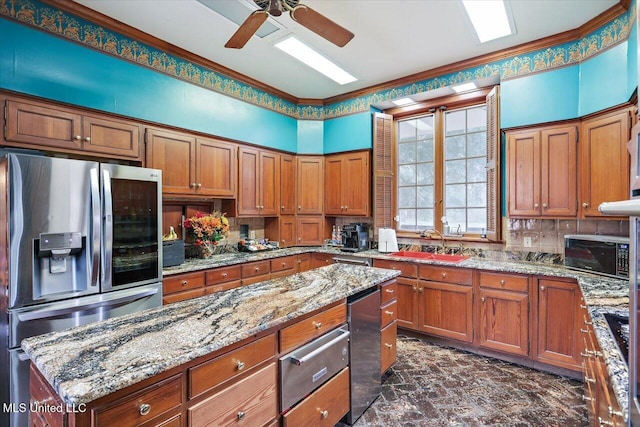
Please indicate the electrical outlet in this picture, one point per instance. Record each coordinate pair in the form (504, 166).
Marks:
(527, 241)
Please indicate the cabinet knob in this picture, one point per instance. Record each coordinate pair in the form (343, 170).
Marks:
(415, 289)
(193, 184)
(145, 408)
(482, 299)
(324, 413)
(419, 290)
(77, 137)
(585, 205)
(388, 345)
(444, 275)
(299, 239)
(318, 325)
(502, 282)
(257, 268)
(241, 415)
(542, 288)
(536, 206)
(282, 207)
(240, 365)
(88, 139)
(284, 264)
(184, 283)
(224, 274)
(199, 185)
(544, 205)
(299, 207)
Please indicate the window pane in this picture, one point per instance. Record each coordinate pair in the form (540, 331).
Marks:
(457, 217)
(425, 150)
(477, 144)
(407, 130)
(407, 219)
(425, 196)
(407, 153)
(477, 119)
(425, 219)
(455, 171)
(425, 173)
(477, 220)
(454, 147)
(455, 122)
(407, 174)
(476, 171)
(425, 127)
(407, 197)
(454, 196)
(477, 195)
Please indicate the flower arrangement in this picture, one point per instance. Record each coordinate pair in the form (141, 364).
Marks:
(207, 230)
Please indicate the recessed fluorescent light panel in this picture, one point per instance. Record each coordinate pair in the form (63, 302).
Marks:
(294, 47)
(465, 87)
(403, 101)
(237, 12)
(489, 18)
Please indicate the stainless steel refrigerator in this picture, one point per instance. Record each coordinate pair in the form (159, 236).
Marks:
(80, 241)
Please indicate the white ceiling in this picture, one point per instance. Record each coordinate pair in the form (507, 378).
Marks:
(393, 38)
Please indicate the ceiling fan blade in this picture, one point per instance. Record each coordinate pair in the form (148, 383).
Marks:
(247, 29)
(321, 25)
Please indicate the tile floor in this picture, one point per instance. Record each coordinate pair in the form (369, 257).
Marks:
(438, 386)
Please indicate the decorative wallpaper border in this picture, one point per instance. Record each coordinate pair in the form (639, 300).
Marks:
(62, 24)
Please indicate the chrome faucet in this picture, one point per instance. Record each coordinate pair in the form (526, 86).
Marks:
(427, 233)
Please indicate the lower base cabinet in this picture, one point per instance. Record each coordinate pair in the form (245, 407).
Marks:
(388, 347)
(445, 310)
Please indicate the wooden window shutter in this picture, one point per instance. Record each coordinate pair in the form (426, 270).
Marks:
(383, 167)
(494, 213)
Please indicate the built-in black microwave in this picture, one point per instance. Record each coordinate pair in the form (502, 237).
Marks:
(605, 255)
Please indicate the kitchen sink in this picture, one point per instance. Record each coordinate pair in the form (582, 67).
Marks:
(431, 256)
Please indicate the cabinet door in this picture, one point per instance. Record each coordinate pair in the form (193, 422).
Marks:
(604, 166)
(407, 303)
(445, 310)
(269, 183)
(249, 185)
(215, 168)
(334, 182)
(504, 321)
(559, 324)
(310, 191)
(113, 137)
(309, 231)
(36, 124)
(357, 191)
(523, 150)
(287, 231)
(558, 173)
(287, 185)
(174, 154)
(304, 262)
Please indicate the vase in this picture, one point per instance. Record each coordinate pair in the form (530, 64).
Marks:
(206, 249)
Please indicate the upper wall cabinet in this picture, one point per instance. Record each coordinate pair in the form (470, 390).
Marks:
(50, 127)
(542, 171)
(347, 184)
(310, 185)
(259, 186)
(604, 160)
(192, 166)
(287, 184)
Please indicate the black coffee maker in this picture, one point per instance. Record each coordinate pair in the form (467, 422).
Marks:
(355, 237)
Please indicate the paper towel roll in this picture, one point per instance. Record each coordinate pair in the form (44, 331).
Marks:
(387, 241)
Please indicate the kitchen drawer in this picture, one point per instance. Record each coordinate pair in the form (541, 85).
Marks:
(182, 282)
(222, 275)
(41, 391)
(510, 282)
(255, 279)
(252, 401)
(407, 269)
(460, 276)
(182, 296)
(388, 293)
(142, 406)
(259, 268)
(175, 421)
(320, 260)
(214, 372)
(305, 330)
(388, 313)
(388, 338)
(324, 407)
(283, 263)
(222, 287)
(283, 273)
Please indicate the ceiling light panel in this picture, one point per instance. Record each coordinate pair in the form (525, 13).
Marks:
(465, 87)
(489, 19)
(238, 11)
(403, 101)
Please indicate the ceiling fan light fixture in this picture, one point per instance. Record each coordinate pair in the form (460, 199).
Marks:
(275, 8)
(303, 53)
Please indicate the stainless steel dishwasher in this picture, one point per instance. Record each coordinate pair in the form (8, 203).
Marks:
(364, 351)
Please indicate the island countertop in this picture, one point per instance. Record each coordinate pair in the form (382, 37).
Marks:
(86, 363)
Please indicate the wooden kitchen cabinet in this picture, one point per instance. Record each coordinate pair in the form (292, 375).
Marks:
(559, 322)
(287, 184)
(604, 161)
(222, 279)
(304, 263)
(281, 229)
(388, 325)
(347, 185)
(181, 287)
(254, 272)
(310, 185)
(320, 260)
(52, 127)
(407, 291)
(41, 391)
(310, 230)
(192, 166)
(283, 266)
(259, 186)
(542, 170)
(504, 312)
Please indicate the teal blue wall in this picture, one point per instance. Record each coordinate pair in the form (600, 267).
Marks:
(632, 60)
(36, 63)
(353, 132)
(310, 137)
(603, 80)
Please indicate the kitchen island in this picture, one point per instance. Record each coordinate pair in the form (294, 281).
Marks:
(88, 366)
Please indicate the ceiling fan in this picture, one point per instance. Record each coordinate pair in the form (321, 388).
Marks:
(300, 13)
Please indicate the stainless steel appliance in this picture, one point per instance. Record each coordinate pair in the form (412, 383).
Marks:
(355, 237)
(79, 242)
(599, 254)
(308, 367)
(363, 311)
(352, 259)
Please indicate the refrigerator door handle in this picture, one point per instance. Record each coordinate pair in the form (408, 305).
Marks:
(95, 228)
(623, 208)
(53, 312)
(108, 231)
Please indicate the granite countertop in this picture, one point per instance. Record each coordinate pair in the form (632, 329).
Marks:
(88, 362)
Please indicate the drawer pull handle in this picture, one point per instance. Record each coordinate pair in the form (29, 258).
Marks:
(588, 323)
(324, 413)
(589, 380)
(145, 408)
(184, 283)
(241, 415)
(583, 306)
(240, 365)
(587, 398)
(502, 282)
(586, 353)
(389, 291)
(388, 345)
(614, 413)
(318, 325)
(602, 422)
(257, 268)
(584, 331)
(390, 313)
